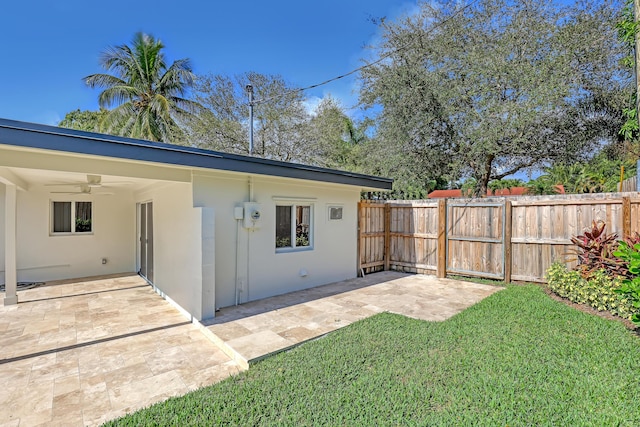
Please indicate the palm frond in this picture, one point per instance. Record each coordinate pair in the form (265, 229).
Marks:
(103, 80)
(117, 95)
(146, 93)
(115, 122)
(186, 105)
(177, 78)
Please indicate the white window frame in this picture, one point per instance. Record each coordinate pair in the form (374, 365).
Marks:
(293, 207)
(73, 231)
(335, 206)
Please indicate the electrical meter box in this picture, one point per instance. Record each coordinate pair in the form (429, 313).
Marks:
(252, 215)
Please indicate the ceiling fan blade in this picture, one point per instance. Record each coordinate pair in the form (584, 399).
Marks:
(68, 192)
(93, 181)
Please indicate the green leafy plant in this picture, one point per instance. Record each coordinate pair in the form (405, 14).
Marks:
(595, 249)
(83, 225)
(302, 241)
(599, 291)
(631, 286)
(283, 242)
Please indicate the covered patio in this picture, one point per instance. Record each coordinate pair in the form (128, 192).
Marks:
(80, 352)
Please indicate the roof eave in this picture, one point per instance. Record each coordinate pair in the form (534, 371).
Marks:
(78, 142)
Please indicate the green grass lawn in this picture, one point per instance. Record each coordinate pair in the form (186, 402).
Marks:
(518, 358)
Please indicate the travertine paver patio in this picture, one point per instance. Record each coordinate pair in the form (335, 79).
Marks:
(83, 352)
(254, 330)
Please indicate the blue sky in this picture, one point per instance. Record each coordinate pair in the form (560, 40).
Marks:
(46, 47)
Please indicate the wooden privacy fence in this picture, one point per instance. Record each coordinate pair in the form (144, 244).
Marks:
(629, 184)
(505, 238)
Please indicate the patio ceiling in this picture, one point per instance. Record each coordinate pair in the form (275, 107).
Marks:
(52, 181)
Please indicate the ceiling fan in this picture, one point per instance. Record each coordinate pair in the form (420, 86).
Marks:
(93, 181)
(83, 189)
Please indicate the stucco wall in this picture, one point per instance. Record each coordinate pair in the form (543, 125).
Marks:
(2, 187)
(202, 255)
(180, 243)
(223, 193)
(261, 271)
(42, 257)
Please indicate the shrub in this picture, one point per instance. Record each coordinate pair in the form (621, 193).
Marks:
(598, 291)
(594, 250)
(631, 285)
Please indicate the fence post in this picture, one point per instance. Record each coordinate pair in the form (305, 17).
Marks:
(387, 235)
(626, 217)
(359, 234)
(507, 241)
(441, 270)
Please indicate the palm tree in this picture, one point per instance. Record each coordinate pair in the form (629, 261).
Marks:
(542, 185)
(148, 95)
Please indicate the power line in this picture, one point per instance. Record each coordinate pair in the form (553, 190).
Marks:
(379, 60)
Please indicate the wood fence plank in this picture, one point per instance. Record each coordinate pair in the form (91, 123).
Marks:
(544, 221)
(387, 238)
(359, 241)
(507, 260)
(626, 217)
(441, 270)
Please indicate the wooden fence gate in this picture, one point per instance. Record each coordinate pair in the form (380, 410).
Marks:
(476, 239)
(372, 237)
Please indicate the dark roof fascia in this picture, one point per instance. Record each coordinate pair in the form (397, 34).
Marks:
(46, 137)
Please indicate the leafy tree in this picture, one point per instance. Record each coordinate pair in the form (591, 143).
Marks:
(498, 87)
(279, 115)
(505, 183)
(86, 120)
(148, 95)
(600, 174)
(468, 185)
(627, 29)
(222, 125)
(541, 185)
(334, 139)
(284, 128)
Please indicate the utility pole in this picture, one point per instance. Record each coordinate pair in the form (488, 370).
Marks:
(250, 92)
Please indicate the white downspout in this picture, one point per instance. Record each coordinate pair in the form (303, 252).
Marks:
(236, 290)
(251, 199)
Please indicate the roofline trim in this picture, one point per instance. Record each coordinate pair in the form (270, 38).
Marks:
(67, 141)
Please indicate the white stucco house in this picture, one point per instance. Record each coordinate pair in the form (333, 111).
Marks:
(206, 229)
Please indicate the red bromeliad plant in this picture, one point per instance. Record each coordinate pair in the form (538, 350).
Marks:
(595, 252)
(632, 240)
